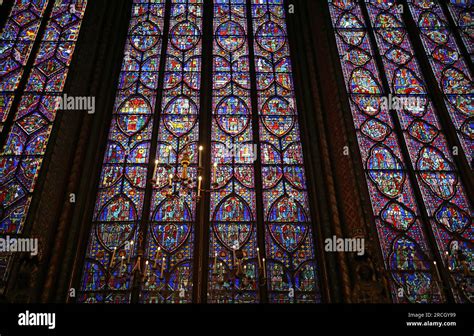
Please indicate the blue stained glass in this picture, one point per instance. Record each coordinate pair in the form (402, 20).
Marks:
(233, 265)
(289, 248)
(112, 247)
(170, 238)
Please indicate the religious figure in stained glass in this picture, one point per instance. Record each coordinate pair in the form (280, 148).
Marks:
(289, 236)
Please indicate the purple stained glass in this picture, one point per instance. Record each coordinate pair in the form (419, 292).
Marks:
(16, 42)
(462, 13)
(430, 156)
(451, 71)
(397, 217)
(26, 141)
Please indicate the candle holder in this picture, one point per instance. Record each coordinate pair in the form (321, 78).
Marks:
(137, 268)
(225, 280)
(163, 277)
(262, 278)
(180, 183)
(164, 290)
(149, 273)
(238, 271)
(464, 282)
(112, 258)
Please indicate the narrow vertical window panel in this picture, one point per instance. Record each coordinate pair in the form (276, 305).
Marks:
(171, 231)
(291, 269)
(111, 253)
(233, 264)
(463, 16)
(26, 142)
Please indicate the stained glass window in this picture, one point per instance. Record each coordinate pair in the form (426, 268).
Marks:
(448, 209)
(232, 278)
(111, 253)
(450, 69)
(170, 240)
(23, 153)
(462, 13)
(396, 214)
(16, 43)
(163, 236)
(289, 241)
(444, 197)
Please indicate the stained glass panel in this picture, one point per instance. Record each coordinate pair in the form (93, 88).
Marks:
(16, 42)
(111, 255)
(233, 266)
(22, 156)
(404, 243)
(462, 13)
(444, 197)
(170, 240)
(450, 69)
(290, 268)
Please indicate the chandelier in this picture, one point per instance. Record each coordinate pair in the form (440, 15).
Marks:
(180, 183)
